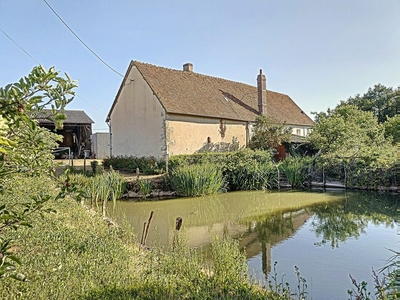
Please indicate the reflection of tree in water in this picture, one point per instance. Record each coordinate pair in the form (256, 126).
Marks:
(338, 221)
(333, 222)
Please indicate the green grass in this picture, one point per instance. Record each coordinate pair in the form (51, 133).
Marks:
(74, 254)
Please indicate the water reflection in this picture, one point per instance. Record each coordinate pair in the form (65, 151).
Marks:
(324, 232)
(266, 217)
(337, 222)
(231, 213)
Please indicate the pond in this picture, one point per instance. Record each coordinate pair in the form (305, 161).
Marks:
(326, 234)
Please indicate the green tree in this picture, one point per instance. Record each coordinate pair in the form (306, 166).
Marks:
(25, 148)
(380, 100)
(269, 133)
(392, 129)
(350, 138)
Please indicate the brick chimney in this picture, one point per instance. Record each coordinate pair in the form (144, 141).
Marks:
(262, 93)
(188, 67)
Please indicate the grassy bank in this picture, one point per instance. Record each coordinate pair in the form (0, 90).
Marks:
(72, 253)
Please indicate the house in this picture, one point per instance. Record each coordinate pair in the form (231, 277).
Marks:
(162, 112)
(76, 131)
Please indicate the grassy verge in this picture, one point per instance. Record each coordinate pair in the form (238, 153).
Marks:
(73, 253)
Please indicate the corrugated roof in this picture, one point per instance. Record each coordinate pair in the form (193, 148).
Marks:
(190, 93)
(72, 117)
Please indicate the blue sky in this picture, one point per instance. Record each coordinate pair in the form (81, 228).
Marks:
(317, 51)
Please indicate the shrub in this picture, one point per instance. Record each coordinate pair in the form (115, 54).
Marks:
(250, 170)
(96, 169)
(243, 169)
(197, 180)
(146, 165)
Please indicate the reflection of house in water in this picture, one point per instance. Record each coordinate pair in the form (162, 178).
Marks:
(76, 131)
(263, 235)
(256, 236)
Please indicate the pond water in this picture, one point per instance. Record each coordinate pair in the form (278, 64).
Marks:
(326, 234)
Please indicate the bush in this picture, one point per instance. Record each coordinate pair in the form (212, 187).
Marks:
(146, 165)
(197, 180)
(250, 170)
(243, 169)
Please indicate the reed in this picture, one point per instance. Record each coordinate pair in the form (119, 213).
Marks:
(295, 169)
(108, 186)
(144, 187)
(197, 180)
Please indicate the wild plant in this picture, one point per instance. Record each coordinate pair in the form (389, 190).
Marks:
(296, 170)
(145, 187)
(197, 180)
(386, 288)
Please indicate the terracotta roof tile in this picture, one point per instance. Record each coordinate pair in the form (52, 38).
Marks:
(190, 93)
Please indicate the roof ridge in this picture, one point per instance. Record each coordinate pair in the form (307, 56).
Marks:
(49, 109)
(195, 73)
(205, 75)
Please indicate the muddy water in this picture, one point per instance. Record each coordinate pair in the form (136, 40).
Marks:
(327, 235)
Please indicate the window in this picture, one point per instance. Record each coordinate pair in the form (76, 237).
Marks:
(298, 131)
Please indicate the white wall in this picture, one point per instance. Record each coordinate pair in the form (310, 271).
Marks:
(137, 120)
(301, 130)
(100, 144)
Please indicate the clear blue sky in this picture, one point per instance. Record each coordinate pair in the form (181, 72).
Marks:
(318, 52)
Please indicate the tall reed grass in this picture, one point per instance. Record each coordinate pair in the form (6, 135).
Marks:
(296, 170)
(145, 187)
(197, 180)
(107, 186)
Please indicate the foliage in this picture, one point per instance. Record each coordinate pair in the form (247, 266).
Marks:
(182, 273)
(197, 180)
(296, 170)
(25, 147)
(145, 187)
(107, 186)
(146, 165)
(269, 133)
(244, 169)
(68, 253)
(354, 141)
(380, 100)
(250, 170)
(96, 169)
(283, 291)
(392, 128)
(74, 254)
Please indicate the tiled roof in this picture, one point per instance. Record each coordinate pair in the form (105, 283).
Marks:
(72, 117)
(190, 93)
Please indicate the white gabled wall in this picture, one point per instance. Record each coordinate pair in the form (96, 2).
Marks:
(137, 120)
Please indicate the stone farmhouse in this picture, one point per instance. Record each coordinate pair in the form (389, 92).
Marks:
(162, 112)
